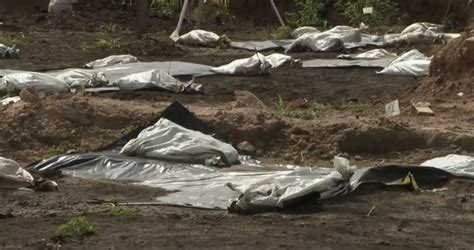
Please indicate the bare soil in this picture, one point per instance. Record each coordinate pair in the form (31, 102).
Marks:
(307, 117)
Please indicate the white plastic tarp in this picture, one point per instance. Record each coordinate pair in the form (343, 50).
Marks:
(168, 141)
(459, 165)
(257, 64)
(199, 37)
(38, 81)
(412, 63)
(271, 193)
(154, 79)
(371, 54)
(10, 100)
(111, 60)
(303, 30)
(83, 79)
(330, 40)
(12, 176)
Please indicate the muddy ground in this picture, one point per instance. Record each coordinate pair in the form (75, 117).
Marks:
(307, 117)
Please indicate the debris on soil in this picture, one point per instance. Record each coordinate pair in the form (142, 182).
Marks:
(392, 109)
(423, 108)
(451, 70)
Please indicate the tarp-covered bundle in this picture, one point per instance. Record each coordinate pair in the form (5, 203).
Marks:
(371, 54)
(167, 140)
(40, 82)
(330, 40)
(155, 79)
(411, 63)
(255, 65)
(83, 79)
(12, 176)
(111, 60)
(8, 52)
(199, 37)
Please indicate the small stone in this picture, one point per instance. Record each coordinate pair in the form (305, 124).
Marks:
(71, 151)
(246, 148)
(358, 158)
(29, 95)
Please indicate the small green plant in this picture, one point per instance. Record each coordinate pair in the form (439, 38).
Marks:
(76, 227)
(103, 44)
(111, 27)
(165, 8)
(124, 211)
(385, 12)
(308, 13)
(354, 106)
(282, 32)
(310, 111)
(9, 40)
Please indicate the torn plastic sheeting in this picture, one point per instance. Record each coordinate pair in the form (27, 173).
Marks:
(82, 79)
(110, 61)
(459, 165)
(257, 64)
(411, 63)
(342, 63)
(199, 37)
(155, 79)
(12, 176)
(8, 52)
(168, 141)
(38, 81)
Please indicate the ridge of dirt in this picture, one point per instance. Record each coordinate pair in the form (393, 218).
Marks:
(451, 70)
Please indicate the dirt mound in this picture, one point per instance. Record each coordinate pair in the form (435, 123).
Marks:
(58, 124)
(451, 69)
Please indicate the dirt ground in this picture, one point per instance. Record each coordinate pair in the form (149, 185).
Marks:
(307, 117)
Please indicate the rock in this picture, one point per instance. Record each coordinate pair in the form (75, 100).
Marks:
(392, 109)
(29, 95)
(246, 148)
(358, 158)
(247, 99)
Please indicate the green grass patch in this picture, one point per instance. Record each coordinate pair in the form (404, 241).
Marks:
(77, 227)
(9, 40)
(310, 111)
(124, 211)
(103, 44)
(355, 106)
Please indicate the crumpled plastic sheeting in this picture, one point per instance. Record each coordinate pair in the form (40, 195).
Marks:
(10, 100)
(12, 176)
(330, 40)
(155, 79)
(271, 194)
(167, 140)
(83, 79)
(38, 81)
(8, 52)
(199, 37)
(371, 54)
(111, 60)
(459, 165)
(411, 63)
(257, 64)
(303, 30)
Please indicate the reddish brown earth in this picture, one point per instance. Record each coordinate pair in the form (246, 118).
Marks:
(309, 115)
